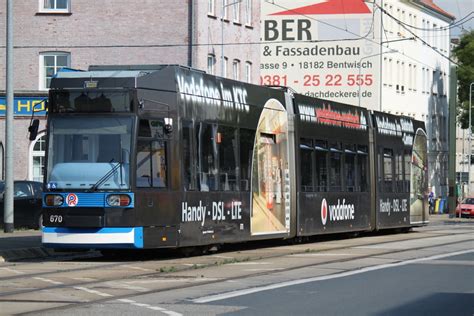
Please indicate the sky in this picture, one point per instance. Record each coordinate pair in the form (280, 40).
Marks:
(458, 8)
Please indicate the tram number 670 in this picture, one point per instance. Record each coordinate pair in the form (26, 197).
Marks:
(55, 219)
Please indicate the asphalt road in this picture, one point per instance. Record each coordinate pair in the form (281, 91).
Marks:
(427, 272)
(433, 287)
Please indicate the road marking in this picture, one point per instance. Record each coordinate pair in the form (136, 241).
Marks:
(84, 279)
(138, 268)
(319, 254)
(249, 263)
(450, 262)
(48, 281)
(121, 285)
(148, 306)
(268, 269)
(223, 296)
(92, 291)
(12, 271)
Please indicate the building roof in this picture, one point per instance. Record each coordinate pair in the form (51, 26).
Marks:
(432, 6)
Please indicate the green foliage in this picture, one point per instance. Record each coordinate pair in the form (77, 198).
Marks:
(464, 53)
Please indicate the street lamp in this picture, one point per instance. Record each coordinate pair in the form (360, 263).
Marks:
(224, 5)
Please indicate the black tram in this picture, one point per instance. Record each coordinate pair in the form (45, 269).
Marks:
(168, 156)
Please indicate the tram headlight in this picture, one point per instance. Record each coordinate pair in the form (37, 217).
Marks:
(118, 200)
(53, 200)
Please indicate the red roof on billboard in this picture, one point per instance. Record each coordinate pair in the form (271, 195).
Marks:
(330, 7)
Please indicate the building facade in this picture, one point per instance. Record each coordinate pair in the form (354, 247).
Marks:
(387, 55)
(416, 80)
(52, 34)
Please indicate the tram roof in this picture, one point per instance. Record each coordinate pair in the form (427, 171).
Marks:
(101, 74)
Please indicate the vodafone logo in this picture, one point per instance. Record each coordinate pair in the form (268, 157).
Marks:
(337, 212)
(324, 211)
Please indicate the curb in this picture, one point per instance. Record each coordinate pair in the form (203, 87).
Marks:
(25, 253)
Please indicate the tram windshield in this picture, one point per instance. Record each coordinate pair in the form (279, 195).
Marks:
(83, 150)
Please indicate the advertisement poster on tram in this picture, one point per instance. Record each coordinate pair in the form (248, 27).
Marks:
(326, 49)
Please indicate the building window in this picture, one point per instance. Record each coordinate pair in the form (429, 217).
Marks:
(59, 6)
(236, 69)
(50, 64)
(211, 6)
(248, 12)
(225, 6)
(38, 155)
(248, 72)
(211, 62)
(236, 11)
(225, 68)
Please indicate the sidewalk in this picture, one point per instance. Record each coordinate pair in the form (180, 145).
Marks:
(22, 244)
(26, 244)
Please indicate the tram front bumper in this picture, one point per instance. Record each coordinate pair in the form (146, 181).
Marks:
(93, 238)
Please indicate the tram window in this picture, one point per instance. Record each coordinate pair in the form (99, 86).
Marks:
(306, 163)
(81, 147)
(335, 177)
(247, 139)
(227, 141)
(407, 169)
(207, 156)
(388, 165)
(151, 164)
(189, 173)
(350, 168)
(362, 167)
(321, 158)
(399, 172)
(109, 148)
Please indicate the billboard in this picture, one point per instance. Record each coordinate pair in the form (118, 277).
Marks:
(324, 49)
(25, 105)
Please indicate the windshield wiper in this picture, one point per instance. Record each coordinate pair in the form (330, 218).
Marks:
(106, 176)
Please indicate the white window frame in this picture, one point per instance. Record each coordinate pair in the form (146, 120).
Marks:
(225, 10)
(236, 11)
(211, 64)
(33, 153)
(236, 69)
(225, 68)
(248, 71)
(42, 8)
(211, 7)
(42, 71)
(248, 12)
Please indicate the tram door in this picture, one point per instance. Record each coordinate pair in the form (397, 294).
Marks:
(270, 173)
(419, 209)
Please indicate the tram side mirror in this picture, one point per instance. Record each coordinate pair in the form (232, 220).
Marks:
(33, 129)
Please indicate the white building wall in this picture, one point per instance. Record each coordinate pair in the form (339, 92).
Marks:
(415, 78)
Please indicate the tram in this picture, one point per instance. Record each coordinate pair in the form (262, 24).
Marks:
(165, 156)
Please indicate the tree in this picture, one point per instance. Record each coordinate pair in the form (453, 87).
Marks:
(465, 56)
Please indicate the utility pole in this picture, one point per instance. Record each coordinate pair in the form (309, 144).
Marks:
(8, 195)
(452, 142)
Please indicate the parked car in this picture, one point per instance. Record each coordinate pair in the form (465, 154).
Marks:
(27, 203)
(466, 208)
